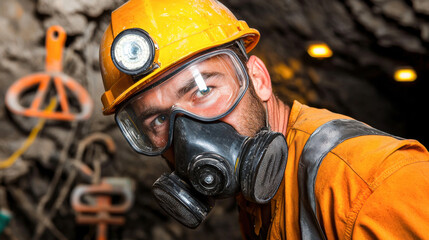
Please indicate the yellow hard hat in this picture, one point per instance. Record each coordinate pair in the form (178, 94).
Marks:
(171, 31)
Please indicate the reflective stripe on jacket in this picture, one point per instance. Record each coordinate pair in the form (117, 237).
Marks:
(346, 180)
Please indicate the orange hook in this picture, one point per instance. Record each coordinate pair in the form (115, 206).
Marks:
(55, 40)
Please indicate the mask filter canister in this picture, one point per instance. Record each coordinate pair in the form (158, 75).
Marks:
(178, 199)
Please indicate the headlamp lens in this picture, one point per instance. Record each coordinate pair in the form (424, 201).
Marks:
(206, 88)
(133, 51)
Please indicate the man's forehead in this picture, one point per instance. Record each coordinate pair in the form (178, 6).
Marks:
(165, 92)
(216, 63)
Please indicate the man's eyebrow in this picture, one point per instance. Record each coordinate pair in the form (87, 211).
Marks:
(191, 83)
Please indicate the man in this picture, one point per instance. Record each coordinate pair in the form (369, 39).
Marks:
(179, 81)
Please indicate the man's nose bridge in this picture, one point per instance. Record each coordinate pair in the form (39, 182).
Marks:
(212, 136)
(175, 112)
(182, 124)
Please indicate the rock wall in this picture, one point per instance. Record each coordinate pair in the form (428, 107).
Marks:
(370, 39)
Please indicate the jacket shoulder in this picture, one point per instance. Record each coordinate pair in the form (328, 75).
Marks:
(307, 119)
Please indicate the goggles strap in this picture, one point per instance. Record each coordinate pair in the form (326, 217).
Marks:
(242, 48)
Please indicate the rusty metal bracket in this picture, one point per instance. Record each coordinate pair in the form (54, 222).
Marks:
(77, 166)
(94, 204)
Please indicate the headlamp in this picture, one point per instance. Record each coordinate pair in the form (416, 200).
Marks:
(133, 51)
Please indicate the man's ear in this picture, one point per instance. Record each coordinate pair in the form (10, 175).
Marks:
(260, 78)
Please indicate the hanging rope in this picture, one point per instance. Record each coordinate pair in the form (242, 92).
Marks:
(30, 139)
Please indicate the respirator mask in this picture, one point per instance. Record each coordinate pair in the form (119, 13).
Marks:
(212, 160)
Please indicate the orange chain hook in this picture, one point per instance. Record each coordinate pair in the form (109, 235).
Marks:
(55, 40)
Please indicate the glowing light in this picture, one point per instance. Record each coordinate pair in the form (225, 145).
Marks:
(319, 50)
(405, 75)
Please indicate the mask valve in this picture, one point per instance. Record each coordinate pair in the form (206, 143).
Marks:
(208, 174)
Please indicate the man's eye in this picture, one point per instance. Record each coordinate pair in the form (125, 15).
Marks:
(202, 93)
(160, 120)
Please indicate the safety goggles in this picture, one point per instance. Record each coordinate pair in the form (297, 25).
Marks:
(206, 88)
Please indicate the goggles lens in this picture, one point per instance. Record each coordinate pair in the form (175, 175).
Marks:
(207, 88)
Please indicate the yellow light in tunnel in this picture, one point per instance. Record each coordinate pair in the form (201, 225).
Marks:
(319, 50)
(405, 75)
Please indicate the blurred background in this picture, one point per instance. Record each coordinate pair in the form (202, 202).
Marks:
(360, 47)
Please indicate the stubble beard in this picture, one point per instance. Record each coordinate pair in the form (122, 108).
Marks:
(254, 115)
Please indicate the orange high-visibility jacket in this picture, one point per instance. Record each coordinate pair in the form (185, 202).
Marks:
(346, 180)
